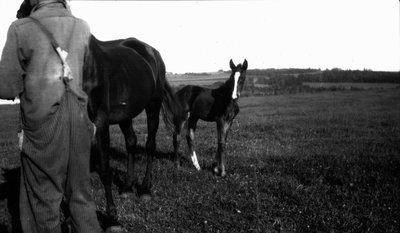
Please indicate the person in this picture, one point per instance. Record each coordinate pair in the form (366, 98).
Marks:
(57, 131)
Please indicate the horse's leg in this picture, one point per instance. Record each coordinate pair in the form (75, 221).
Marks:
(176, 143)
(222, 128)
(191, 129)
(130, 143)
(153, 119)
(101, 145)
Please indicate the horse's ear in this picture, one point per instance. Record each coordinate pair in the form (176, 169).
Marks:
(232, 65)
(244, 66)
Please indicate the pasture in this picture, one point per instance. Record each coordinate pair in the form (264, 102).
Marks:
(307, 162)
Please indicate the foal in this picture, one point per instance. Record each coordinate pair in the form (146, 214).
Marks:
(211, 105)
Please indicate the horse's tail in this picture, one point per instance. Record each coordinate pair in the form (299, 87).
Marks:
(172, 110)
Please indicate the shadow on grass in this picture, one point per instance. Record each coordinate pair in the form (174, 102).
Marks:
(140, 154)
(121, 157)
(10, 190)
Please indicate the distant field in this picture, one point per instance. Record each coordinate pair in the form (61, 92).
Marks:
(349, 85)
(197, 79)
(308, 162)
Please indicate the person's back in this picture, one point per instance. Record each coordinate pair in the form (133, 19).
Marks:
(57, 131)
(41, 65)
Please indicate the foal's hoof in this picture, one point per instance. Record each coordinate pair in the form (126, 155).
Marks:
(218, 172)
(197, 166)
(145, 198)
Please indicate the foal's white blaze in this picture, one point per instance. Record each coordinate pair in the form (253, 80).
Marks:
(234, 93)
(194, 161)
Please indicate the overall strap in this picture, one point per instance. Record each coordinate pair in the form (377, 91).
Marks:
(66, 77)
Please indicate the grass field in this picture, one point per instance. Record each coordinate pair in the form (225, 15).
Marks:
(322, 162)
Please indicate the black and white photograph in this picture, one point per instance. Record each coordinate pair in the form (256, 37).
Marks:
(199, 116)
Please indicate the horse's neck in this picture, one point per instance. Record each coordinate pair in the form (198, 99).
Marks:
(225, 90)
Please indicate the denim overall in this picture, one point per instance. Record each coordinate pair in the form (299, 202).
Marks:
(55, 167)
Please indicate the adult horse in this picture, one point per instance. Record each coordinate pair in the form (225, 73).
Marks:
(213, 105)
(122, 79)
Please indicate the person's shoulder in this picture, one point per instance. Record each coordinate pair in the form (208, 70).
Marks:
(20, 22)
(82, 23)
(17, 24)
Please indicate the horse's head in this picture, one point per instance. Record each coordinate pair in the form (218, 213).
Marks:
(238, 75)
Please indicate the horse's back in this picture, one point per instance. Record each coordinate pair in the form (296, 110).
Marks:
(197, 100)
(131, 71)
(149, 53)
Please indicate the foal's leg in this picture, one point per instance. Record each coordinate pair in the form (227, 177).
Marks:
(222, 128)
(176, 142)
(192, 123)
(130, 143)
(101, 147)
(153, 119)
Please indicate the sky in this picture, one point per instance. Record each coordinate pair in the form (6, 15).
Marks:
(202, 36)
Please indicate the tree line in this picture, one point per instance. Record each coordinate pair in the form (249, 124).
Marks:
(269, 76)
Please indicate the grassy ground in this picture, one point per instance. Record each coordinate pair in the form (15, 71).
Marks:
(324, 162)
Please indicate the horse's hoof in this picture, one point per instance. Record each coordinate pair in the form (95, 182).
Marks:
(223, 174)
(126, 195)
(114, 229)
(216, 170)
(198, 168)
(145, 198)
(112, 212)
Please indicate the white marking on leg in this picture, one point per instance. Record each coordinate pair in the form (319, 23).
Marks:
(20, 139)
(195, 162)
(234, 92)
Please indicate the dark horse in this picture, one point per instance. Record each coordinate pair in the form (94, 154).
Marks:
(122, 78)
(212, 105)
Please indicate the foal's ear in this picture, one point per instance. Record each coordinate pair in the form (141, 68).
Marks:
(232, 65)
(244, 66)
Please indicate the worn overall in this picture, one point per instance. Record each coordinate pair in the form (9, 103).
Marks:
(55, 167)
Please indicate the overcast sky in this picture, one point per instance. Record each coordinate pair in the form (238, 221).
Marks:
(201, 36)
